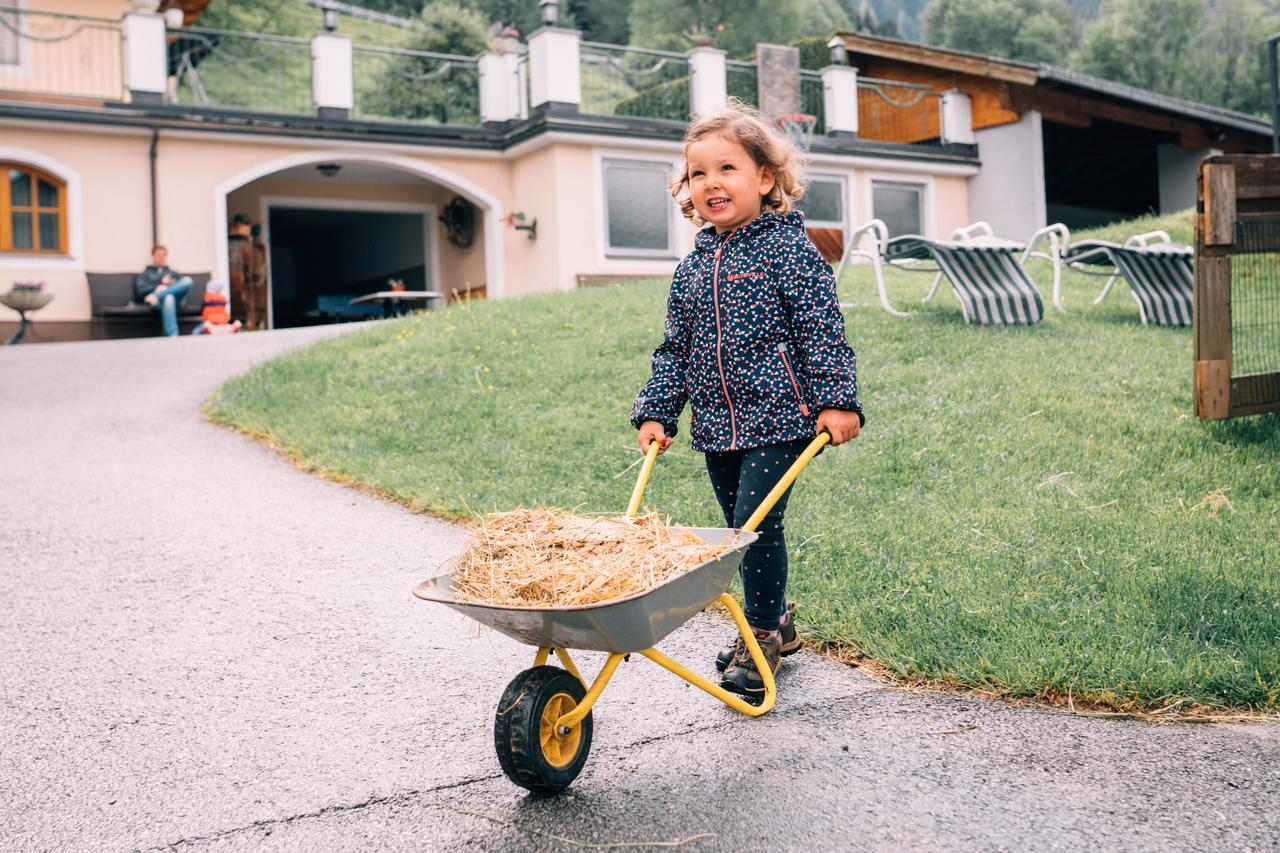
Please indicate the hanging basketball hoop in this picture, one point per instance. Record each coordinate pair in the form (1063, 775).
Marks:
(799, 126)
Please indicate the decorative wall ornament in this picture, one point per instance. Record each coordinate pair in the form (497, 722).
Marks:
(459, 220)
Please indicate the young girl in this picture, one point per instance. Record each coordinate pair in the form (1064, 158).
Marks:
(754, 341)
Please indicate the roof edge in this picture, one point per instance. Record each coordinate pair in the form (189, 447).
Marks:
(1008, 70)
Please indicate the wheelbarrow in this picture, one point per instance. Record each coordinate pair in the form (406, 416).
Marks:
(542, 728)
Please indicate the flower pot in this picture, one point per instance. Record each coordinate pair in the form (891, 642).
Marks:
(25, 300)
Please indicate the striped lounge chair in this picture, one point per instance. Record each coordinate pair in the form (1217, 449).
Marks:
(1159, 273)
(988, 273)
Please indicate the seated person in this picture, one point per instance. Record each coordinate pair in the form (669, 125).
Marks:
(215, 319)
(162, 289)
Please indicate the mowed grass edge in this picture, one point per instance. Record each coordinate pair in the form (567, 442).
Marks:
(1032, 512)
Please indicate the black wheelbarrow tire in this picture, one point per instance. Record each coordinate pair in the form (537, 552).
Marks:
(532, 753)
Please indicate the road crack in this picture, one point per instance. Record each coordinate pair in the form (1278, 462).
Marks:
(403, 797)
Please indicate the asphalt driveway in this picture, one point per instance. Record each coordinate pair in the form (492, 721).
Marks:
(204, 646)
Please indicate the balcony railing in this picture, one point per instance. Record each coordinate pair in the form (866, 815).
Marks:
(250, 71)
(61, 55)
(740, 81)
(634, 81)
(47, 55)
(416, 85)
(811, 100)
(905, 113)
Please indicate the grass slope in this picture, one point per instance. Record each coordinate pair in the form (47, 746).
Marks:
(1029, 510)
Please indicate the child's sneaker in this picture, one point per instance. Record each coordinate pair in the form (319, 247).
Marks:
(151, 299)
(786, 627)
(742, 677)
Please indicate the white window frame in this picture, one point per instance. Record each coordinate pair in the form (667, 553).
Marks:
(22, 61)
(608, 252)
(843, 181)
(928, 212)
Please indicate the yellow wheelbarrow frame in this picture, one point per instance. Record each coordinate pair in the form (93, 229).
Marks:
(632, 625)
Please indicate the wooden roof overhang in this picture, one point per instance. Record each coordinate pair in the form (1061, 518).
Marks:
(1008, 71)
(1003, 90)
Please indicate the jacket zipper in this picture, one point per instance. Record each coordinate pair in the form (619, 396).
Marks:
(795, 386)
(715, 298)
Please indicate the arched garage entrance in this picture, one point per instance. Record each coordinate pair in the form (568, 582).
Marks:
(338, 224)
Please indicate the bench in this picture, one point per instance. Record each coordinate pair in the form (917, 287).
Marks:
(111, 295)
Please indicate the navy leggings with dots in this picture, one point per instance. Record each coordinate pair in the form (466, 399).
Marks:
(741, 479)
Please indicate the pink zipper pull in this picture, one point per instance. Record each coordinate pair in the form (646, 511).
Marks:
(795, 386)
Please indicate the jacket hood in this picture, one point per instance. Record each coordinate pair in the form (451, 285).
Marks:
(708, 239)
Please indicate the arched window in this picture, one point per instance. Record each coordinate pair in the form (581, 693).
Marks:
(33, 211)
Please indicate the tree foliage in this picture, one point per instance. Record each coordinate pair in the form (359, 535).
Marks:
(737, 25)
(413, 87)
(1030, 30)
(1186, 48)
(865, 20)
(602, 20)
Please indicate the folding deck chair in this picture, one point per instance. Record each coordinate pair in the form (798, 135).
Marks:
(987, 273)
(1158, 271)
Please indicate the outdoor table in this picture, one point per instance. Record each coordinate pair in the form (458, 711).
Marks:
(24, 302)
(397, 301)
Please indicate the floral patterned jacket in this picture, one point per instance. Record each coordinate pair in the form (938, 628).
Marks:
(753, 340)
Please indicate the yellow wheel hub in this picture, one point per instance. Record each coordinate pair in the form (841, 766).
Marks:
(559, 749)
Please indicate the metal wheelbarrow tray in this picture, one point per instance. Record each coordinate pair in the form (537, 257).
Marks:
(620, 625)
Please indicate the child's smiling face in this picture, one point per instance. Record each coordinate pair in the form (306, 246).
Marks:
(725, 184)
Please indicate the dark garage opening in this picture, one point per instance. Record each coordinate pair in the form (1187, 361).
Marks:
(321, 259)
(1102, 173)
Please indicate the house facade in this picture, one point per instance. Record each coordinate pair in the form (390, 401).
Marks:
(534, 167)
(121, 128)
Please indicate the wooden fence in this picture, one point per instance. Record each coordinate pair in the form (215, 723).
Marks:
(1237, 286)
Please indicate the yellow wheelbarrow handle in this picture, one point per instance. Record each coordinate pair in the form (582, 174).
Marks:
(780, 489)
(770, 499)
(647, 468)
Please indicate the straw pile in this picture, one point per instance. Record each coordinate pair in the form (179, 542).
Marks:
(550, 558)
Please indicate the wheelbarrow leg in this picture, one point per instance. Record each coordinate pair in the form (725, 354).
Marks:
(734, 701)
(544, 653)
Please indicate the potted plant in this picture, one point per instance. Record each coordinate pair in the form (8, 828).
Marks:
(26, 296)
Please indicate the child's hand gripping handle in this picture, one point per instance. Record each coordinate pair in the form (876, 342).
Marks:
(645, 469)
(776, 493)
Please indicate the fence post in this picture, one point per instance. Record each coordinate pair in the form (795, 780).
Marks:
(555, 82)
(499, 86)
(146, 70)
(957, 118)
(708, 81)
(332, 79)
(840, 100)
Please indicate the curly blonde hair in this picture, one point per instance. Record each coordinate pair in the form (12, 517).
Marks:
(764, 142)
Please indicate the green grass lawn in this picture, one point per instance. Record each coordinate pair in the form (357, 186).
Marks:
(1029, 511)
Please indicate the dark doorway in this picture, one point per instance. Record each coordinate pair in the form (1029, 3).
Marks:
(1102, 173)
(321, 259)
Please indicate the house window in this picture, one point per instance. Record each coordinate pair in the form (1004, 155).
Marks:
(899, 205)
(33, 211)
(823, 203)
(638, 208)
(9, 28)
